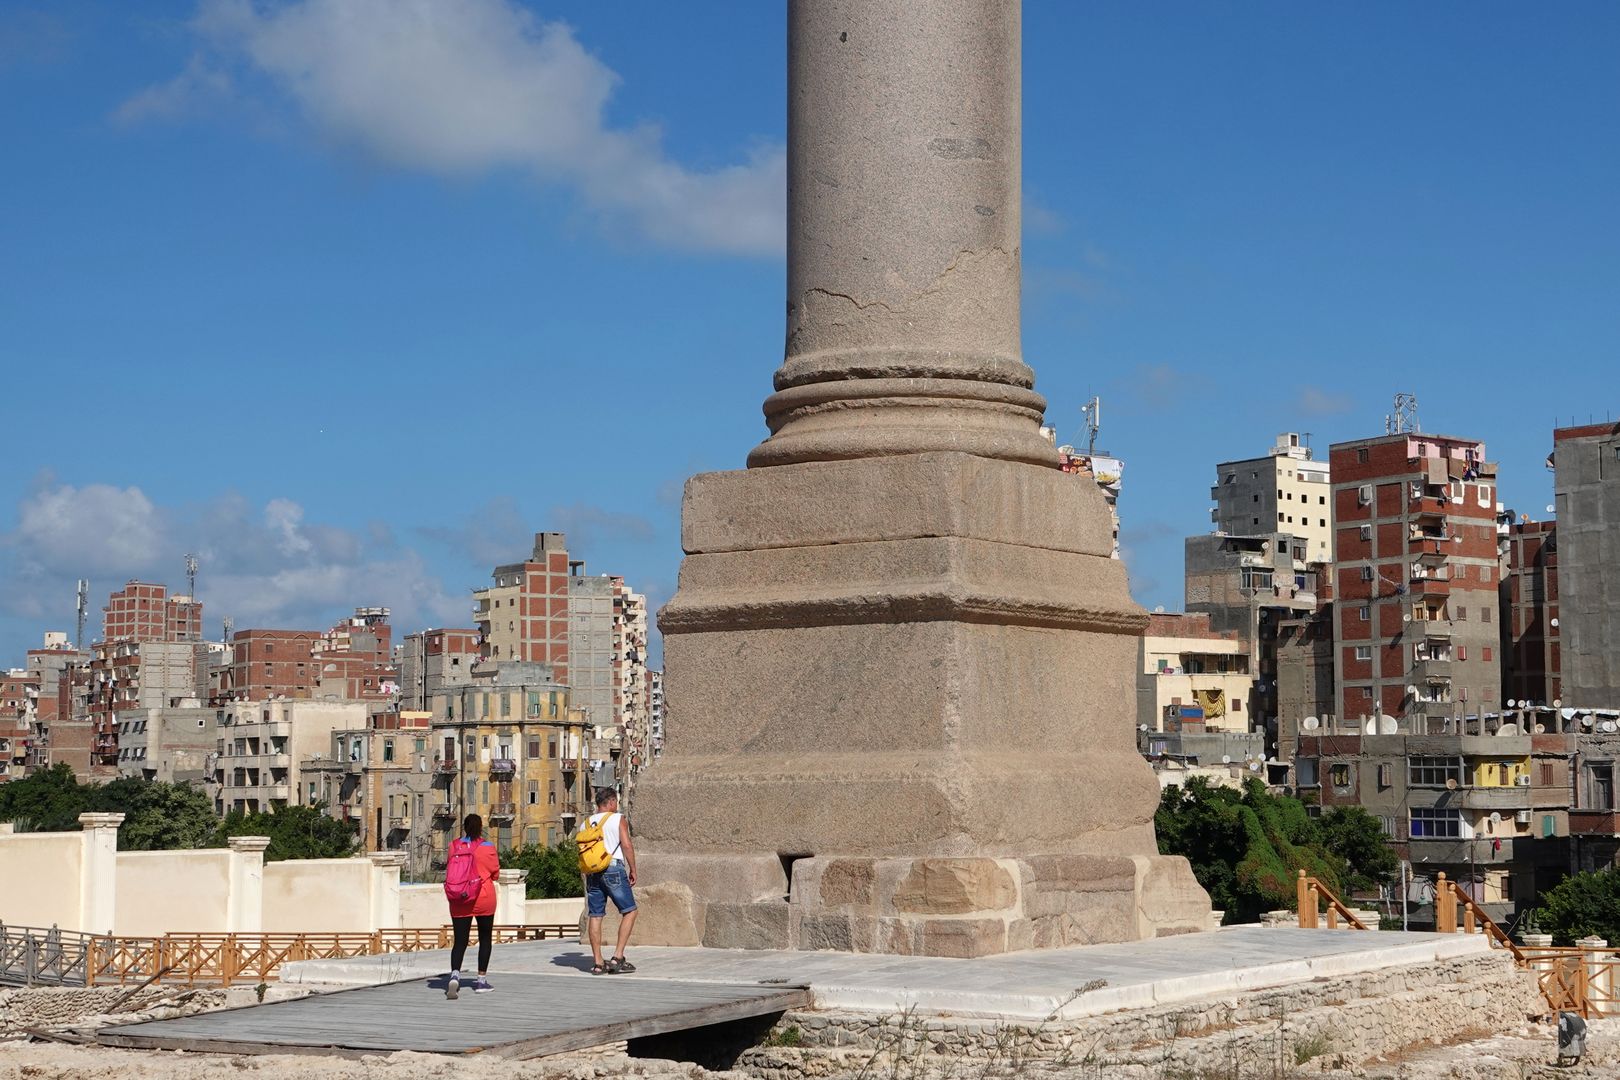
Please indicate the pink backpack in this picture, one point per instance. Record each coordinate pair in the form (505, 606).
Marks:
(461, 879)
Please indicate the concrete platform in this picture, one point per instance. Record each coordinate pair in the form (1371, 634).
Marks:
(1028, 985)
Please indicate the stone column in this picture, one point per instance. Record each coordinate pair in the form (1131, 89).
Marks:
(386, 866)
(244, 913)
(511, 897)
(904, 161)
(900, 661)
(98, 874)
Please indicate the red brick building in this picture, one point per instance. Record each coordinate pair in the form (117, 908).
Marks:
(355, 659)
(524, 614)
(1530, 638)
(141, 611)
(1415, 576)
(269, 663)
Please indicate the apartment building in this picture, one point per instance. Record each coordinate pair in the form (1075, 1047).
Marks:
(267, 664)
(354, 661)
(1287, 491)
(1304, 675)
(1415, 579)
(1488, 802)
(261, 747)
(1586, 490)
(512, 749)
(16, 722)
(1594, 813)
(524, 615)
(380, 778)
(130, 675)
(1192, 678)
(170, 745)
(655, 710)
(1249, 586)
(432, 660)
(1532, 649)
(143, 611)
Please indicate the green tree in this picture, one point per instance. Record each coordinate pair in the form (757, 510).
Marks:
(1247, 846)
(49, 800)
(1582, 905)
(553, 871)
(1357, 840)
(157, 816)
(295, 832)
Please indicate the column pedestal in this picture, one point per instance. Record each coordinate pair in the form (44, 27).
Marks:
(902, 718)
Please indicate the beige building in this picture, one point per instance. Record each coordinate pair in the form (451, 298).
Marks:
(1287, 491)
(511, 749)
(1192, 678)
(380, 778)
(262, 745)
(168, 745)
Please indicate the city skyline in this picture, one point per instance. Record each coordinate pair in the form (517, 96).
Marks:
(282, 331)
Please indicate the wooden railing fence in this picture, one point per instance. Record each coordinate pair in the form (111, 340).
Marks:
(32, 956)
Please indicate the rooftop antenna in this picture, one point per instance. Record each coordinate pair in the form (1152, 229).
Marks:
(191, 576)
(228, 624)
(1092, 410)
(83, 606)
(1404, 420)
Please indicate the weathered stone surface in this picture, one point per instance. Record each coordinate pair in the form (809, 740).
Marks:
(839, 931)
(747, 926)
(1169, 898)
(668, 914)
(846, 882)
(955, 887)
(963, 937)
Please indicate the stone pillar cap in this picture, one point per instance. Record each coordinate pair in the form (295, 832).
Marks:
(387, 858)
(509, 877)
(101, 821)
(248, 844)
(1593, 942)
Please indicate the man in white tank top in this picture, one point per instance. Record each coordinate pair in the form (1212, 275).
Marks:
(613, 883)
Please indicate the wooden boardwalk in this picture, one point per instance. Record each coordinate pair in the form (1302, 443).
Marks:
(528, 1015)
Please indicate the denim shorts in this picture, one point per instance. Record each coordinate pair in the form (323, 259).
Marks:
(614, 882)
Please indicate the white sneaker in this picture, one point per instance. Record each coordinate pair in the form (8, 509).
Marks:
(452, 987)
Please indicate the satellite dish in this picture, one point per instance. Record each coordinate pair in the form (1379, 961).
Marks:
(1387, 725)
(1558, 703)
(1496, 817)
(1411, 691)
(1541, 729)
(1552, 509)
(1372, 727)
(1141, 727)
(1406, 616)
(1555, 622)
(1586, 721)
(1512, 704)
(1311, 723)
(1610, 726)
(1509, 729)
(1254, 766)
(1451, 783)
(1226, 759)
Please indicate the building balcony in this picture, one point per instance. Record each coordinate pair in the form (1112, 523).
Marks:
(502, 813)
(444, 814)
(1594, 823)
(400, 824)
(1496, 798)
(446, 765)
(1430, 585)
(502, 767)
(568, 765)
(1434, 669)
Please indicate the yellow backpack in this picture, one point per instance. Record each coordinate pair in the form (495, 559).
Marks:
(593, 852)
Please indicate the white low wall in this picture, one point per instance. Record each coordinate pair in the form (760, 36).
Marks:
(166, 892)
(39, 879)
(425, 905)
(554, 912)
(327, 895)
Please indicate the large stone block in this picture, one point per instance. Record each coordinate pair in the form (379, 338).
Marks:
(747, 926)
(965, 938)
(955, 887)
(667, 914)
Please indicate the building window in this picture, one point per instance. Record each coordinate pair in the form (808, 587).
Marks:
(1363, 652)
(1435, 823)
(1485, 616)
(1386, 778)
(534, 792)
(1366, 573)
(1361, 456)
(1365, 612)
(1433, 771)
(1546, 774)
(1485, 654)
(534, 746)
(1340, 773)
(1462, 652)
(1363, 494)
(388, 750)
(1462, 614)
(1366, 532)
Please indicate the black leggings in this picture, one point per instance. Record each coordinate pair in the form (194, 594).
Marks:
(463, 929)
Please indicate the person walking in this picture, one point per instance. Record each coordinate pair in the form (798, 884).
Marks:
(615, 882)
(469, 882)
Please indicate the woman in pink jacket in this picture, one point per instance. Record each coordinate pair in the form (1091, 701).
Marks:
(487, 863)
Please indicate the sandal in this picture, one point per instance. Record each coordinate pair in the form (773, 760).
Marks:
(601, 969)
(618, 965)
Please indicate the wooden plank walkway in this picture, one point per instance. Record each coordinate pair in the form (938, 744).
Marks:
(528, 1015)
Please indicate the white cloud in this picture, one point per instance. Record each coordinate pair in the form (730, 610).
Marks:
(1314, 401)
(264, 566)
(464, 87)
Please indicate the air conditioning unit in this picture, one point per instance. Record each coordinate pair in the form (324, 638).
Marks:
(1523, 781)
(1522, 817)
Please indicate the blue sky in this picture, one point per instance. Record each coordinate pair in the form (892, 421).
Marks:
(352, 297)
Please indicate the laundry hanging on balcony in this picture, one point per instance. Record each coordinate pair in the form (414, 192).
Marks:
(1213, 701)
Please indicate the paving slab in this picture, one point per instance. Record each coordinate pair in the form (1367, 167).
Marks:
(1028, 985)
